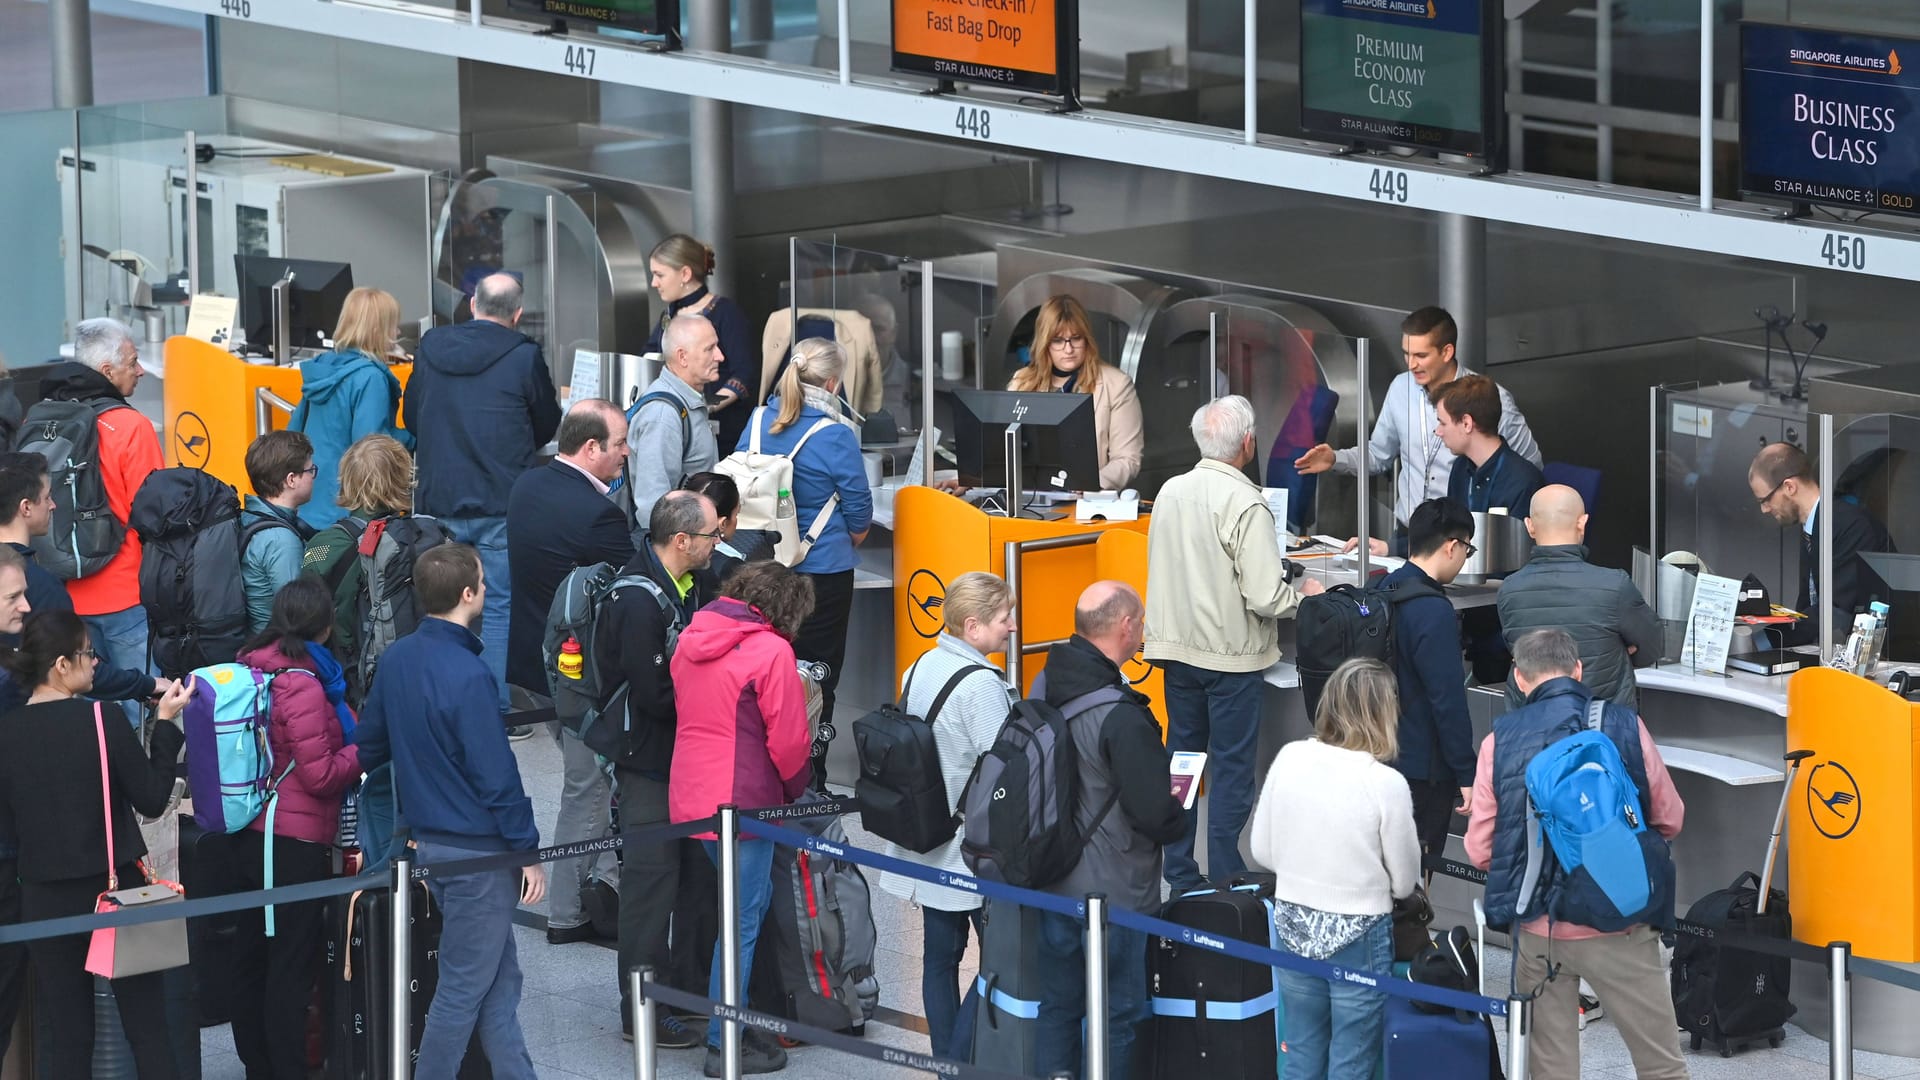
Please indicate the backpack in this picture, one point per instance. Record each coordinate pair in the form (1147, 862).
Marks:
(1587, 836)
(230, 766)
(902, 790)
(761, 478)
(620, 491)
(815, 958)
(343, 584)
(1344, 622)
(1020, 801)
(191, 542)
(85, 535)
(385, 608)
(575, 615)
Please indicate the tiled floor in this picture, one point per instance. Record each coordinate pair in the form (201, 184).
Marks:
(570, 1016)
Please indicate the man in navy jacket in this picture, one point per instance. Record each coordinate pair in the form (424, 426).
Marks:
(480, 405)
(1436, 733)
(431, 711)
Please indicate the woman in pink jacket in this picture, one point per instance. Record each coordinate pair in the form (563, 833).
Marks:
(308, 726)
(741, 737)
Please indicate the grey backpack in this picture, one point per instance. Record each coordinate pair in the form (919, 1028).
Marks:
(582, 703)
(817, 946)
(386, 608)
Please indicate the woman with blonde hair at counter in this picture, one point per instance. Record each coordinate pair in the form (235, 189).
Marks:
(350, 393)
(1066, 359)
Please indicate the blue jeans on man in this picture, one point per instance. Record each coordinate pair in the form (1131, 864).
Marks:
(1218, 712)
(943, 946)
(1062, 952)
(479, 987)
(1333, 1029)
(489, 536)
(119, 639)
(756, 894)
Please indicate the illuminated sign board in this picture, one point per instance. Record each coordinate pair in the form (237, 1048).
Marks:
(1414, 73)
(1829, 118)
(1029, 45)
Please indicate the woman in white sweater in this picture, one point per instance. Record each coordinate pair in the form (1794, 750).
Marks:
(1335, 824)
(979, 618)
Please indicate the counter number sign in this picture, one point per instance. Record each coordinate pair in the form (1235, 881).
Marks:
(237, 9)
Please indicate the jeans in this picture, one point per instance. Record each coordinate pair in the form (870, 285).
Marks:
(479, 972)
(1333, 1029)
(489, 535)
(586, 813)
(1063, 996)
(669, 895)
(943, 946)
(120, 640)
(756, 893)
(1218, 712)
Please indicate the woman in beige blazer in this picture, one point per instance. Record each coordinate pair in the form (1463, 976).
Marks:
(1066, 359)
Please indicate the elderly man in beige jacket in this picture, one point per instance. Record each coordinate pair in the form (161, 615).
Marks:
(1216, 590)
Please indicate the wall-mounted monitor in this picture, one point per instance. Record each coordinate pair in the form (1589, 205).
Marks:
(640, 16)
(1829, 117)
(1424, 74)
(1030, 45)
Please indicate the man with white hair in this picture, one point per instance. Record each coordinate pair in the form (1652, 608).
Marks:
(668, 434)
(1216, 590)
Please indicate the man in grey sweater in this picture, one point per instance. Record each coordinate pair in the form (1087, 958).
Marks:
(1611, 624)
(669, 435)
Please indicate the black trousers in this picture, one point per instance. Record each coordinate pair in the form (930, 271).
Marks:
(65, 988)
(1433, 805)
(13, 958)
(823, 637)
(273, 977)
(669, 896)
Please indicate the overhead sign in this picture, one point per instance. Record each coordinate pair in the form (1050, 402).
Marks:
(1416, 73)
(1021, 44)
(641, 16)
(1829, 117)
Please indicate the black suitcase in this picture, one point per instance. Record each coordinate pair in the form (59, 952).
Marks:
(1006, 1022)
(206, 870)
(1214, 1015)
(359, 962)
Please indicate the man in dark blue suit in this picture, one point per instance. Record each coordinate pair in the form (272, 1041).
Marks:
(559, 518)
(1784, 484)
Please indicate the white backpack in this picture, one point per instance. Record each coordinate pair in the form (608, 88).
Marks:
(761, 478)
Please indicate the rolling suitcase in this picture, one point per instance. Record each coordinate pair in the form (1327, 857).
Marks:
(205, 872)
(1007, 1019)
(1212, 1014)
(359, 960)
(1436, 1046)
(1727, 996)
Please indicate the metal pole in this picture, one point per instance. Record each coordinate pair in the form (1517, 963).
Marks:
(846, 43)
(730, 935)
(713, 153)
(1603, 85)
(400, 997)
(927, 444)
(283, 319)
(1840, 1004)
(1252, 95)
(473, 12)
(1011, 574)
(646, 1056)
(1213, 355)
(1653, 512)
(1519, 1032)
(1096, 986)
(1706, 104)
(756, 20)
(192, 223)
(1360, 347)
(71, 32)
(552, 275)
(1824, 595)
(1013, 469)
(1463, 286)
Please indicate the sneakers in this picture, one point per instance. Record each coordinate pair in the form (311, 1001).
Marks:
(515, 734)
(567, 935)
(758, 1054)
(669, 1032)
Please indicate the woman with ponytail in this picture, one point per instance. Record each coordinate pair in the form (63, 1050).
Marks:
(53, 792)
(829, 476)
(679, 266)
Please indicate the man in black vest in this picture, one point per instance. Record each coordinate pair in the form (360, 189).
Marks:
(1781, 478)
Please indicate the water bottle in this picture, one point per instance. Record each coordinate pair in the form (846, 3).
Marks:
(570, 662)
(785, 510)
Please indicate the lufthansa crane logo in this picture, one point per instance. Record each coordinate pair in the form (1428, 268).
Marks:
(1833, 800)
(192, 445)
(926, 594)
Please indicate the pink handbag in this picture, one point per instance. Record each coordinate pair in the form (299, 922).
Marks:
(119, 951)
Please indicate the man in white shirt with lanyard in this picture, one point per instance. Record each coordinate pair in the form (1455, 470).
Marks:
(1405, 427)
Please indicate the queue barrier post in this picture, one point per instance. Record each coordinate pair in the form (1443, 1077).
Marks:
(1096, 986)
(730, 936)
(1519, 1033)
(400, 1000)
(1840, 1002)
(646, 1055)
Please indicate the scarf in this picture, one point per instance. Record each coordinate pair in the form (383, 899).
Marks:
(832, 405)
(333, 678)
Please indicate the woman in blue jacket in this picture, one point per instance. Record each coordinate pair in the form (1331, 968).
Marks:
(350, 393)
(827, 476)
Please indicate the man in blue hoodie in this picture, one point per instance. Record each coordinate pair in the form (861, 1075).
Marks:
(432, 713)
(480, 405)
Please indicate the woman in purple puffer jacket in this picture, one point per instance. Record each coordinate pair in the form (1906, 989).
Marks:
(277, 953)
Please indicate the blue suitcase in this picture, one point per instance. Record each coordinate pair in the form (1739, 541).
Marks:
(1445, 1046)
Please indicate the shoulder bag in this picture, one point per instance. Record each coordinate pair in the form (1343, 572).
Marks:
(117, 952)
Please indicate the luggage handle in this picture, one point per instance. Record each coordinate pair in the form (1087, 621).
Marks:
(1793, 758)
(986, 998)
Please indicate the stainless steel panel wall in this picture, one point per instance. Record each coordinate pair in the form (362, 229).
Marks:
(379, 225)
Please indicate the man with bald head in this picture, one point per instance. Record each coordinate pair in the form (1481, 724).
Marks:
(480, 404)
(1127, 812)
(1611, 624)
(669, 436)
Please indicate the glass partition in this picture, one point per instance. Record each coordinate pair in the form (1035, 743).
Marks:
(128, 209)
(34, 274)
(1873, 460)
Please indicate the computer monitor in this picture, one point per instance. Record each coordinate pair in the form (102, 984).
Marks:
(318, 292)
(1057, 442)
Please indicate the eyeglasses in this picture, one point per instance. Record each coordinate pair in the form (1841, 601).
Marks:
(1074, 343)
(311, 470)
(1471, 549)
(1768, 497)
(715, 535)
(86, 654)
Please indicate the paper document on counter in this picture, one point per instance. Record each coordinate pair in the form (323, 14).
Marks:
(1710, 624)
(585, 382)
(1277, 502)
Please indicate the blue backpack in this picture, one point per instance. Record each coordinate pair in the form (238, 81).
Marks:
(230, 766)
(1587, 837)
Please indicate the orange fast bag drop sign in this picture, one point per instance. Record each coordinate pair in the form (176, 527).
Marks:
(1022, 44)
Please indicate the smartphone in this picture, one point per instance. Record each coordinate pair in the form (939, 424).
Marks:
(1185, 771)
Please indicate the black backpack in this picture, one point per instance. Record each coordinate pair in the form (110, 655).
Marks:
(902, 791)
(192, 544)
(385, 608)
(85, 535)
(1344, 622)
(1019, 804)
